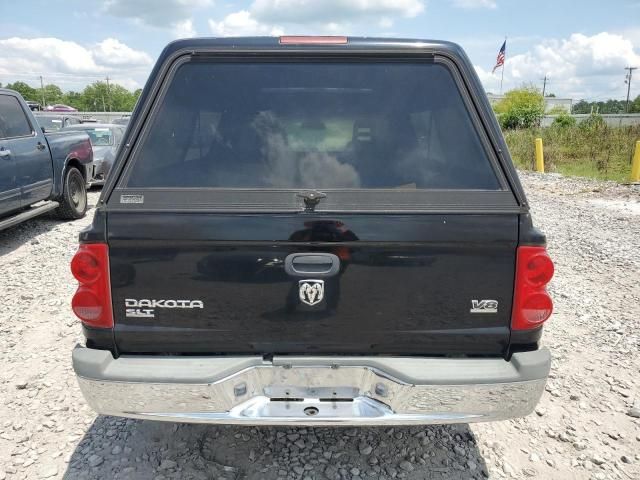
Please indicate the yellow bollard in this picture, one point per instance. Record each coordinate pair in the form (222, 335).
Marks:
(539, 156)
(635, 165)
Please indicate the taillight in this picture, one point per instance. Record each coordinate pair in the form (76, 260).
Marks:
(85, 266)
(532, 304)
(92, 301)
(83, 151)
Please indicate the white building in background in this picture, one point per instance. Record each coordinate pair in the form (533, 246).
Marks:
(549, 102)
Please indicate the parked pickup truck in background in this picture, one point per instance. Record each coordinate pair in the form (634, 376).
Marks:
(54, 122)
(313, 230)
(38, 172)
(105, 141)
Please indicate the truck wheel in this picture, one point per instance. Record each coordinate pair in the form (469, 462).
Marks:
(73, 204)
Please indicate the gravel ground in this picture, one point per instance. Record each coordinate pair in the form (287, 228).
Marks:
(586, 425)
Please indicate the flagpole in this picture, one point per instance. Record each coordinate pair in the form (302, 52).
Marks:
(503, 62)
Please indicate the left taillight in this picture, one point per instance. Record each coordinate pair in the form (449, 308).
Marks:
(532, 305)
(92, 300)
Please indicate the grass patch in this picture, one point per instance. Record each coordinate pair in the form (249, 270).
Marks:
(593, 150)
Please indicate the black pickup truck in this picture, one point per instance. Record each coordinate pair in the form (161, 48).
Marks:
(313, 230)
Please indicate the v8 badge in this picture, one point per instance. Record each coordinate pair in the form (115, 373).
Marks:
(484, 306)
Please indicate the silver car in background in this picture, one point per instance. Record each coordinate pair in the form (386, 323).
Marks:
(105, 140)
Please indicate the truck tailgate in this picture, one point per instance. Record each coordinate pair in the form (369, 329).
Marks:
(215, 283)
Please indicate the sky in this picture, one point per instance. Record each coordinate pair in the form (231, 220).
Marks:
(582, 46)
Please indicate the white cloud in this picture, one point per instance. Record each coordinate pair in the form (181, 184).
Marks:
(129, 83)
(45, 53)
(113, 53)
(273, 17)
(69, 64)
(470, 4)
(578, 66)
(175, 15)
(184, 29)
(327, 11)
(242, 23)
(632, 34)
(165, 13)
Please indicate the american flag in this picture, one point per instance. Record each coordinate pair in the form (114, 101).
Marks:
(500, 59)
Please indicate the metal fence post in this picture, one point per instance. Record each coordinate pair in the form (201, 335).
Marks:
(635, 165)
(539, 156)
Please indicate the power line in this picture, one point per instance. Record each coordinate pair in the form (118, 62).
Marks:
(628, 82)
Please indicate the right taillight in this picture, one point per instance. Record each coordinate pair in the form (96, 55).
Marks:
(92, 301)
(532, 304)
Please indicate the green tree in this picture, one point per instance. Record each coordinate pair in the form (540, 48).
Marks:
(95, 97)
(52, 94)
(73, 99)
(634, 107)
(121, 99)
(136, 94)
(520, 108)
(102, 97)
(600, 107)
(581, 107)
(27, 92)
(613, 106)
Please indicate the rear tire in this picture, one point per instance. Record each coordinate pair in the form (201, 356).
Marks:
(73, 204)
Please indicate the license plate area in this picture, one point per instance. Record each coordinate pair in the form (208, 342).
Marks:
(312, 408)
(283, 392)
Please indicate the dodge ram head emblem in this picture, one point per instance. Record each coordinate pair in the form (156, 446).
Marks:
(311, 291)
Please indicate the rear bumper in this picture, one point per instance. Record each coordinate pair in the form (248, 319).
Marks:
(312, 390)
(99, 170)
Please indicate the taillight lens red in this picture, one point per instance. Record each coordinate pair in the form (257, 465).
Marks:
(92, 301)
(539, 268)
(86, 305)
(85, 267)
(532, 304)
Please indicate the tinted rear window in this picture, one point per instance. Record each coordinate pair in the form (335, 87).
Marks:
(313, 125)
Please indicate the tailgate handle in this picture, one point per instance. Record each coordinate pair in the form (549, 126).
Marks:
(312, 264)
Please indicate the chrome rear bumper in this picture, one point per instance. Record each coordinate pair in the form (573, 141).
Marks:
(312, 390)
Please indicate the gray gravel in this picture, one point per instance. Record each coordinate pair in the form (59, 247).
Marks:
(586, 425)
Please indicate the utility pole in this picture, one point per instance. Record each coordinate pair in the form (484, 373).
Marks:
(628, 82)
(108, 94)
(544, 85)
(44, 103)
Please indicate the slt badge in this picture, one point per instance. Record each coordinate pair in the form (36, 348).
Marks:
(311, 292)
